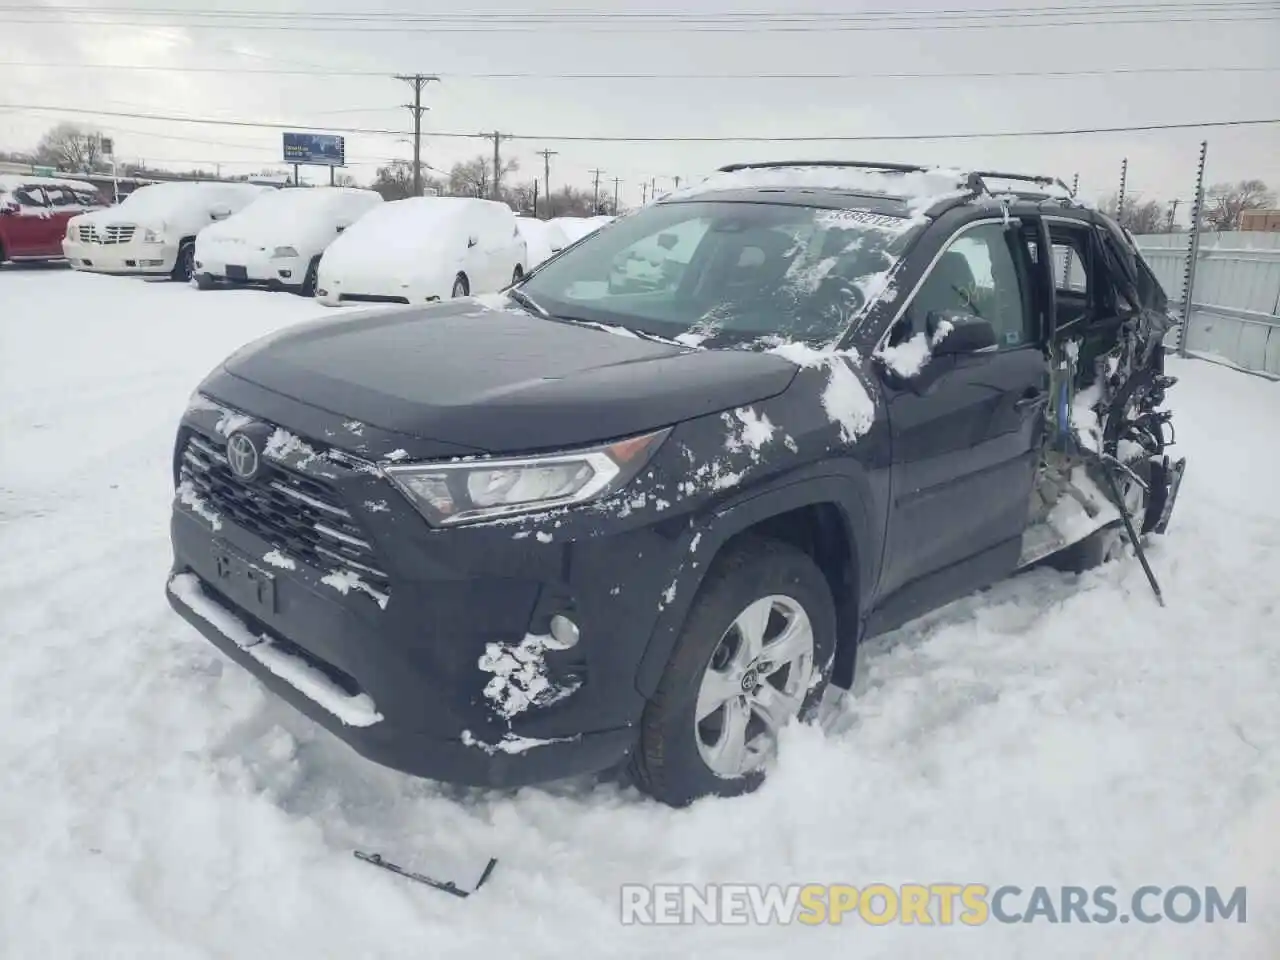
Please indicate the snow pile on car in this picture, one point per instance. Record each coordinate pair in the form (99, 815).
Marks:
(405, 234)
(542, 238)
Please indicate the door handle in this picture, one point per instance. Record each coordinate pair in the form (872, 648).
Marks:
(1031, 399)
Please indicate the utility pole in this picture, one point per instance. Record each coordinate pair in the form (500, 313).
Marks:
(595, 197)
(653, 188)
(417, 81)
(616, 181)
(677, 180)
(497, 139)
(546, 175)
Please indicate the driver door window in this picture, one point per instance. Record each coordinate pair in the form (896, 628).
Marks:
(979, 274)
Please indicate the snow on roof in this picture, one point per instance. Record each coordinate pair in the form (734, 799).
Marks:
(429, 209)
(922, 189)
(10, 180)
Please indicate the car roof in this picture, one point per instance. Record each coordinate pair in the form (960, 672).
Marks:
(9, 181)
(891, 189)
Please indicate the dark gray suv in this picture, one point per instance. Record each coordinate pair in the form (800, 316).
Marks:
(642, 508)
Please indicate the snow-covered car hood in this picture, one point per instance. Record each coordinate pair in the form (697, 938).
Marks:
(231, 233)
(498, 380)
(410, 260)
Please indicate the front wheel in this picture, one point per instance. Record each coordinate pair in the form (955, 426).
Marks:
(460, 286)
(185, 264)
(308, 288)
(755, 653)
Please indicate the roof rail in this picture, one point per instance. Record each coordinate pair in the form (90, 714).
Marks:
(863, 164)
(1023, 178)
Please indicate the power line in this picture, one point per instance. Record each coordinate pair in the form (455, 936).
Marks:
(586, 16)
(373, 26)
(889, 75)
(982, 135)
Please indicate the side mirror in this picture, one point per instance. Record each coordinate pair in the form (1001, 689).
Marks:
(8, 208)
(668, 241)
(955, 333)
(220, 212)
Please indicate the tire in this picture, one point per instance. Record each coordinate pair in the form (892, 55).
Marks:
(308, 288)
(184, 265)
(460, 286)
(205, 281)
(673, 760)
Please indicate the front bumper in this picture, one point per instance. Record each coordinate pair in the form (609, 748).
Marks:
(250, 266)
(335, 292)
(430, 677)
(124, 258)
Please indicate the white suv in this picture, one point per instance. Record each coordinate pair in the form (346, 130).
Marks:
(153, 231)
(277, 240)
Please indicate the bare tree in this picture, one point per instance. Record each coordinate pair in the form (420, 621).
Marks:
(1150, 216)
(473, 178)
(395, 181)
(69, 146)
(1227, 201)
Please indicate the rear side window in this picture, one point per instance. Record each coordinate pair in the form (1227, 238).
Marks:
(30, 196)
(61, 197)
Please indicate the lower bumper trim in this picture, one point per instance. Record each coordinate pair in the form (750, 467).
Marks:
(354, 711)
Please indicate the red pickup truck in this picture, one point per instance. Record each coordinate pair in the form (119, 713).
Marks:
(34, 212)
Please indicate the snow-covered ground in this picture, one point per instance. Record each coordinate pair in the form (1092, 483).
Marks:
(155, 803)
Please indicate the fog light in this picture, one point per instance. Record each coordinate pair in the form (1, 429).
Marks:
(322, 293)
(286, 274)
(564, 633)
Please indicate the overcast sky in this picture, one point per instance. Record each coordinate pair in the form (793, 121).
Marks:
(1161, 164)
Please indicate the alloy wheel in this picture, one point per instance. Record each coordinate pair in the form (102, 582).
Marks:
(754, 684)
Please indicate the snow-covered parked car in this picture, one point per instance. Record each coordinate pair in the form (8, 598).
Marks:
(278, 239)
(544, 239)
(575, 228)
(424, 249)
(153, 230)
(509, 540)
(34, 212)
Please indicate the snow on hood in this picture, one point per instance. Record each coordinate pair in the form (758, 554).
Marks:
(298, 217)
(414, 237)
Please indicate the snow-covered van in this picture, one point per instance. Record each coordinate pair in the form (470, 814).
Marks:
(154, 229)
(34, 212)
(424, 249)
(277, 240)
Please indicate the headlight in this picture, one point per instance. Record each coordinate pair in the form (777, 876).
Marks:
(71, 231)
(453, 493)
(150, 236)
(279, 253)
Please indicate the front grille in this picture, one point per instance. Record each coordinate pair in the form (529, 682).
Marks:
(295, 514)
(114, 233)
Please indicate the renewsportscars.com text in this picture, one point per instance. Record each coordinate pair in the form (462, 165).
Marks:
(971, 904)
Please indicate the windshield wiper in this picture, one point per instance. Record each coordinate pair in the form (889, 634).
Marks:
(526, 301)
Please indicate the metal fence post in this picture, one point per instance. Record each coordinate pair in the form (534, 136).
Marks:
(1124, 175)
(1066, 261)
(1193, 251)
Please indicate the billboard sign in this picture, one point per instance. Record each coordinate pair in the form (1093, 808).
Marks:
(320, 149)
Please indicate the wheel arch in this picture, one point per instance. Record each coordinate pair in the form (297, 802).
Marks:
(826, 517)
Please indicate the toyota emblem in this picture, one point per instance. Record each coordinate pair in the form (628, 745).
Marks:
(242, 456)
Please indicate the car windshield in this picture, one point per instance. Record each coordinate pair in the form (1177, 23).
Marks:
(733, 272)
